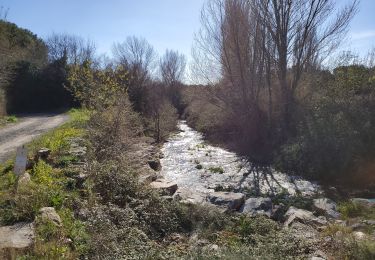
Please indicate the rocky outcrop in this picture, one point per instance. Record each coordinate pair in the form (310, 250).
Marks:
(257, 206)
(303, 216)
(15, 238)
(231, 200)
(165, 187)
(326, 207)
(50, 214)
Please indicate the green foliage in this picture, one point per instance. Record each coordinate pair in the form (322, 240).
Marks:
(335, 133)
(94, 87)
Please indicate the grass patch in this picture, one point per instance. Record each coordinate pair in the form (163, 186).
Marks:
(351, 209)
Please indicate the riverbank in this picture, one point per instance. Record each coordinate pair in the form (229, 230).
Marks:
(105, 200)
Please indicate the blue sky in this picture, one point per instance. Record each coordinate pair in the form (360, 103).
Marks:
(164, 23)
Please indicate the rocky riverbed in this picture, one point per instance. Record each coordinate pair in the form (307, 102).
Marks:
(200, 169)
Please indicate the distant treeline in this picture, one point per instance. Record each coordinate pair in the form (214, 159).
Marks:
(29, 80)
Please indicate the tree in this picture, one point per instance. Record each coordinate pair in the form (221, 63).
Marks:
(172, 68)
(256, 51)
(75, 49)
(303, 33)
(138, 57)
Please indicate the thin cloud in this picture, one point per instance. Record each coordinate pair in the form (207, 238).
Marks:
(363, 35)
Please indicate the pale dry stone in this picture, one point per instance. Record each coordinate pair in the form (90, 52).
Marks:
(50, 214)
(231, 200)
(15, 238)
(303, 216)
(326, 207)
(165, 187)
(257, 206)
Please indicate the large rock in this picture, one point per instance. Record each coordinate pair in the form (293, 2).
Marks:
(15, 238)
(50, 214)
(326, 207)
(231, 200)
(303, 216)
(165, 187)
(257, 206)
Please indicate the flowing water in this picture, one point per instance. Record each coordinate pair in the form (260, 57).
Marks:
(201, 168)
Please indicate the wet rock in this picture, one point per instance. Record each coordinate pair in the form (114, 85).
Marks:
(164, 187)
(326, 207)
(306, 217)
(50, 214)
(15, 238)
(187, 196)
(257, 206)
(231, 200)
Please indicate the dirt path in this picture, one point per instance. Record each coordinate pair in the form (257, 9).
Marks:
(28, 127)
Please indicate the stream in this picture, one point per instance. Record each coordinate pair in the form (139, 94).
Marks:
(201, 168)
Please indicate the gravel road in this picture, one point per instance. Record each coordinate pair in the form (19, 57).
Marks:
(25, 130)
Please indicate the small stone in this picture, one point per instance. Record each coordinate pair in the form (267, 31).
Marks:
(24, 179)
(43, 153)
(50, 214)
(359, 235)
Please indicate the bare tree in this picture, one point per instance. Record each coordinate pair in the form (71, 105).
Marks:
(74, 48)
(244, 44)
(304, 32)
(139, 58)
(172, 67)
